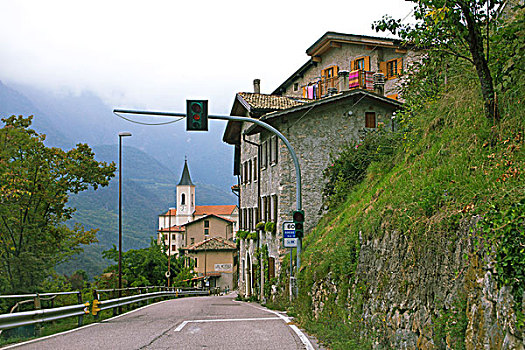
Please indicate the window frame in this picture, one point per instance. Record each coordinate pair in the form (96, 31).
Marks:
(367, 122)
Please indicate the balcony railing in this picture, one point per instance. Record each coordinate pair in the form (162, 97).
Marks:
(324, 87)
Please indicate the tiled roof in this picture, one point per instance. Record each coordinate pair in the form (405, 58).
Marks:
(214, 209)
(263, 101)
(213, 243)
(173, 229)
(172, 212)
(207, 210)
(207, 217)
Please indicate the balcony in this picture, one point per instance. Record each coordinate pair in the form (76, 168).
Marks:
(324, 87)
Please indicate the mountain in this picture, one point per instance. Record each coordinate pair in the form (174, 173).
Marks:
(152, 163)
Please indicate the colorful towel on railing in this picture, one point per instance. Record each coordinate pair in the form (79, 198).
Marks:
(369, 80)
(311, 92)
(353, 79)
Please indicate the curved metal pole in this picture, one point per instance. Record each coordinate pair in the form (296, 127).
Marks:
(298, 197)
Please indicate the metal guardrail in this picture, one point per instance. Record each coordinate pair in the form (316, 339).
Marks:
(25, 318)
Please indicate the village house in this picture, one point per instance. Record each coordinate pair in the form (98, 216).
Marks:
(214, 260)
(173, 223)
(347, 88)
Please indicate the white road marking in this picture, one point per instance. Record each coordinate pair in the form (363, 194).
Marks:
(300, 334)
(184, 323)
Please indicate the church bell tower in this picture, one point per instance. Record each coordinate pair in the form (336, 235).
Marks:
(185, 200)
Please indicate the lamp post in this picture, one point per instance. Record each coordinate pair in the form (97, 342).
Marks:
(120, 136)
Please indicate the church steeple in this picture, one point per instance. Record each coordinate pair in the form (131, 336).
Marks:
(185, 197)
(185, 180)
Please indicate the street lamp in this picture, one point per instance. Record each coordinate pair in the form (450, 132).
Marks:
(120, 136)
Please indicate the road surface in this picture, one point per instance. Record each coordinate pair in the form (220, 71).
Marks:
(211, 322)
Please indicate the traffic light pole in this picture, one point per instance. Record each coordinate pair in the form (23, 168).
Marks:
(298, 198)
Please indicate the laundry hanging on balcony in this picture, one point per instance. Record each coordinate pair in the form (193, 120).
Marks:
(311, 91)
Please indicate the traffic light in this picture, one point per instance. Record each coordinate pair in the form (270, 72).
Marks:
(298, 220)
(95, 309)
(197, 115)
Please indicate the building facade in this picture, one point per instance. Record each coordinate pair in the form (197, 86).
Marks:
(172, 224)
(318, 120)
(214, 260)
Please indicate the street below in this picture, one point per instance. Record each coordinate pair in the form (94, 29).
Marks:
(211, 322)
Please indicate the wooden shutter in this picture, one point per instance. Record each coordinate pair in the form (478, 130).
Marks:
(271, 267)
(370, 120)
(399, 66)
(367, 63)
(352, 65)
(382, 68)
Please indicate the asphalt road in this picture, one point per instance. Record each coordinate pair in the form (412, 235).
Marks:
(214, 322)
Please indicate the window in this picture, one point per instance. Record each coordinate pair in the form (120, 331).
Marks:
(173, 247)
(255, 169)
(275, 207)
(206, 231)
(249, 171)
(206, 223)
(329, 72)
(264, 152)
(370, 120)
(360, 63)
(192, 240)
(195, 262)
(270, 150)
(274, 141)
(183, 199)
(295, 86)
(392, 68)
(173, 237)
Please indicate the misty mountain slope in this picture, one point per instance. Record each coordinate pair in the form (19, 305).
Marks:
(86, 118)
(14, 103)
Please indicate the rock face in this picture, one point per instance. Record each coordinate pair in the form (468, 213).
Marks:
(434, 292)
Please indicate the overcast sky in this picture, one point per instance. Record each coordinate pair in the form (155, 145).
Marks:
(156, 54)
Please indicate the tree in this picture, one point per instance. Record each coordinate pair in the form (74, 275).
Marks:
(453, 27)
(147, 266)
(35, 182)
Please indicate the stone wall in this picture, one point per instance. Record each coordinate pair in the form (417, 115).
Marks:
(314, 134)
(411, 286)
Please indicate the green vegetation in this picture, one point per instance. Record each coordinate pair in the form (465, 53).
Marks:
(145, 267)
(35, 184)
(445, 164)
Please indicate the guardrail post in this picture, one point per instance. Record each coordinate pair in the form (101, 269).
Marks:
(38, 306)
(80, 317)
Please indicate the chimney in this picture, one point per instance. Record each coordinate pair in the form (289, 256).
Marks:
(257, 86)
(344, 84)
(379, 83)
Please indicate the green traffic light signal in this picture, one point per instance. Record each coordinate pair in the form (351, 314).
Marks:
(196, 115)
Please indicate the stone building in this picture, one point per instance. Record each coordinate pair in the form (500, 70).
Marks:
(327, 103)
(172, 224)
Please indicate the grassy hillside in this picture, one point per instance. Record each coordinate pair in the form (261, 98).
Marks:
(449, 164)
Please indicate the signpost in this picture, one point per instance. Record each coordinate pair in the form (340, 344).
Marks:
(289, 238)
